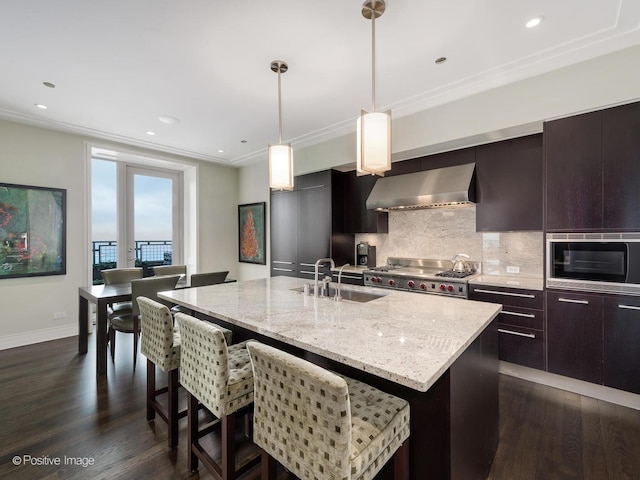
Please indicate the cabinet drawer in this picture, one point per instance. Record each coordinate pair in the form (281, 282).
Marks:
(521, 317)
(516, 297)
(349, 278)
(522, 346)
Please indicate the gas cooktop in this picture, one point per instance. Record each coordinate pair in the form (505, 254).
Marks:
(421, 275)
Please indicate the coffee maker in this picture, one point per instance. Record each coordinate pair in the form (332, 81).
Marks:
(365, 255)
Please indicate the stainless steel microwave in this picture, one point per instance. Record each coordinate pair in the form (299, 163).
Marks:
(594, 262)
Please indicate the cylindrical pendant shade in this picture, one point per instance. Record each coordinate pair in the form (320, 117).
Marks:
(281, 167)
(374, 143)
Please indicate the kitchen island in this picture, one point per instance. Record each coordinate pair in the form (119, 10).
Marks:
(438, 353)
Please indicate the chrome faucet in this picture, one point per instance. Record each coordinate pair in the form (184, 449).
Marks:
(338, 297)
(315, 279)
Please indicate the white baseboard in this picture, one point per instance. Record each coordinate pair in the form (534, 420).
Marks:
(607, 394)
(37, 336)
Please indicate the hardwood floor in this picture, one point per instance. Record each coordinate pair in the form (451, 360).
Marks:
(54, 408)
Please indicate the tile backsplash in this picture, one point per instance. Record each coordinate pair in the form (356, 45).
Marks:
(441, 233)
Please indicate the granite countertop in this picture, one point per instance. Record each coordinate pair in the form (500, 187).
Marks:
(408, 338)
(526, 283)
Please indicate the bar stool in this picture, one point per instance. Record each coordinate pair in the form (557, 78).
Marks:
(220, 378)
(320, 425)
(160, 343)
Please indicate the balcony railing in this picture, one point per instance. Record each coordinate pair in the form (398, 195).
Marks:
(148, 254)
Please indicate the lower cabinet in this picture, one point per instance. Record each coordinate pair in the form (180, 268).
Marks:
(575, 335)
(622, 343)
(520, 323)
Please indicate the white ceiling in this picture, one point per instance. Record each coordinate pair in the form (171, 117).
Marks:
(120, 64)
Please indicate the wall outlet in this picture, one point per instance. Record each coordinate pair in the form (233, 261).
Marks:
(59, 315)
(513, 269)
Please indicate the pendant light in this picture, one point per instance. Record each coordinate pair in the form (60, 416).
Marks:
(373, 129)
(281, 155)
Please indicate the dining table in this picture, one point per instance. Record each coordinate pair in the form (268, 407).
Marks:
(102, 296)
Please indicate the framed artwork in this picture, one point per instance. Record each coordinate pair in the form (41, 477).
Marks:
(32, 231)
(251, 233)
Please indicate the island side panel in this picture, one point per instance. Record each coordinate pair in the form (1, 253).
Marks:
(475, 408)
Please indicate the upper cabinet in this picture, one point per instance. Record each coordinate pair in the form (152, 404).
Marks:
(573, 157)
(621, 167)
(509, 185)
(592, 166)
(357, 218)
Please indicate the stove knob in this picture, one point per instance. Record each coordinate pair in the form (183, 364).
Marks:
(378, 279)
(423, 286)
(392, 282)
(411, 284)
(443, 287)
(450, 288)
(375, 279)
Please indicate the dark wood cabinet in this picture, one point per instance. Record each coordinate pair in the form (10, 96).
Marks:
(575, 335)
(509, 185)
(307, 224)
(520, 323)
(622, 343)
(284, 233)
(573, 163)
(357, 218)
(621, 167)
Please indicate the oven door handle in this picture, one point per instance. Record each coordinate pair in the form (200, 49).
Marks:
(628, 307)
(570, 300)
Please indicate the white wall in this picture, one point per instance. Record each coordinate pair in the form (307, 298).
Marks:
(254, 187)
(35, 156)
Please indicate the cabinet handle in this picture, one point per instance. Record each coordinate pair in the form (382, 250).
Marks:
(570, 300)
(518, 314)
(511, 332)
(347, 276)
(314, 186)
(308, 264)
(282, 269)
(280, 261)
(495, 292)
(629, 307)
(308, 273)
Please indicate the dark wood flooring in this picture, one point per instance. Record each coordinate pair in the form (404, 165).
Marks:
(54, 407)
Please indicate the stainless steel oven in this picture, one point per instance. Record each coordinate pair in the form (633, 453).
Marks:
(594, 262)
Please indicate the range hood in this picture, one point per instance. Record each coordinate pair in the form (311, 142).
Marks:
(439, 187)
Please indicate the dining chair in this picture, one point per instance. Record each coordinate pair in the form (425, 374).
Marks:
(114, 276)
(162, 270)
(217, 376)
(200, 280)
(130, 322)
(323, 426)
(208, 278)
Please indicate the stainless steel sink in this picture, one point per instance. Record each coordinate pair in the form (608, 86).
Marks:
(349, 295)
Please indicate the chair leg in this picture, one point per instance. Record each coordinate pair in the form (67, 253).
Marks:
(268, 467)
(172, 408)
(401, 462)
(135, 350)
(192, 430)
(151, 389)
(228, 447)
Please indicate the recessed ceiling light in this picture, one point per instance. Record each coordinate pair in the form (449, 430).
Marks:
(220, 150)
(441, 60)
(151, 133)
(168, 120)
(534, 22)
(49, 84)
(39, 105)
